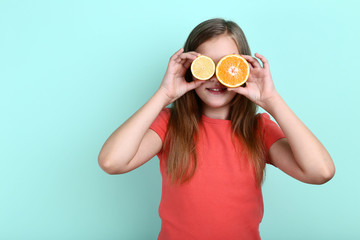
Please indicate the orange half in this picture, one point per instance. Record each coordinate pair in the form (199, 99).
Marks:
(232, 70)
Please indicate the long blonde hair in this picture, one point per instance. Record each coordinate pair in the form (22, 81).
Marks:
(186, 111)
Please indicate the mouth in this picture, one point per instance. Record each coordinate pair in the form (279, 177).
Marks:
(217, 90)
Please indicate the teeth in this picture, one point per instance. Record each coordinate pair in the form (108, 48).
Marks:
(216, 89)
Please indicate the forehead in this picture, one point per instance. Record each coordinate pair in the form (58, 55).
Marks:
(218, 47)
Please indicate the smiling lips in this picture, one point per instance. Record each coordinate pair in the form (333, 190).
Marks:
(217, 90)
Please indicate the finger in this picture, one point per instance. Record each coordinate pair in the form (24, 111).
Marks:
(263, 59)
(254, 62)
(187, 58)
(194, 84)
(240, 90)
(177, 54)
(195, 53)
(190, 55)
(251, 66)
(187, 62)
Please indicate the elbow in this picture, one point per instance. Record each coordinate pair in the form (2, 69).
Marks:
(329, 174)
(330, 171)
(326, 175)
(321, 175)
(106, 166)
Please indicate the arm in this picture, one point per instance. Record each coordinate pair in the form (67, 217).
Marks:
(300, 154)
(133, 143)
(123, 144)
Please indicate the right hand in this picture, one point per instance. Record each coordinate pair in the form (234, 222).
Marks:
(174, 84)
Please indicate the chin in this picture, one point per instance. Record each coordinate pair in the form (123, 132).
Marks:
(215, 100)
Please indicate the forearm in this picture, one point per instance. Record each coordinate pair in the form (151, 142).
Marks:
(309, 153)
(124, 142)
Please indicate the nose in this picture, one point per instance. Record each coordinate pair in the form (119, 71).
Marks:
(214, 79)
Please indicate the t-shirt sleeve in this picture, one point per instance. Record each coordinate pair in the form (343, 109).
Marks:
(160, 123)
(271, 133)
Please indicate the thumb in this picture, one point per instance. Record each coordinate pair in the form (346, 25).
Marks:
(239, 90)
(194, 84)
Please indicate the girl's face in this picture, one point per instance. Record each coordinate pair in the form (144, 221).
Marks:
(215, 97)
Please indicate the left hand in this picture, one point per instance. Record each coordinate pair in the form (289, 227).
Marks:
(259, 88)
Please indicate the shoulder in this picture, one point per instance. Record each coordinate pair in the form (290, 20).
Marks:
(263, 117)
(166, 112)
(265, 121)
(160, 123)
(164, 115)
(270, 130)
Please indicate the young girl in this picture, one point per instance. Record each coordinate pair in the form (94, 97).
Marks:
(212, 144)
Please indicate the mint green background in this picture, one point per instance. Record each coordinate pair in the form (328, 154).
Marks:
(72, 71)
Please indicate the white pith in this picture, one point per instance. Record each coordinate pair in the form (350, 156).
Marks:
(233, 70)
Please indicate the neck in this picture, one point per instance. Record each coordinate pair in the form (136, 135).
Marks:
(217, 113)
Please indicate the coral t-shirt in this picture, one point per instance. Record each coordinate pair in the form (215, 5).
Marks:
(222, 200)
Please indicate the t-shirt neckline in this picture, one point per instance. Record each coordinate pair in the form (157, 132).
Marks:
(215, 121)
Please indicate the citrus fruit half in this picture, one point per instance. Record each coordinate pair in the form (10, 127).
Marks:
(203, 67)
(232, 70)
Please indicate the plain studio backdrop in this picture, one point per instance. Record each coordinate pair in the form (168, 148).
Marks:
(71, 72)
